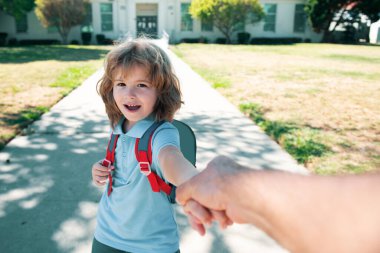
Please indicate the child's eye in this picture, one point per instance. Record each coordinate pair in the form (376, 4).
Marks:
(142, 85)
(120, 84)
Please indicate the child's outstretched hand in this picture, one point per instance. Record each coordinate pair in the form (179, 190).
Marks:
(199, 216)
(100, 174)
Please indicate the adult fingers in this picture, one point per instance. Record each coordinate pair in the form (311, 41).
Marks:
(184, 192)
(221, 218)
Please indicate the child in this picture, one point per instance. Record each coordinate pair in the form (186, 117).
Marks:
(139, 88)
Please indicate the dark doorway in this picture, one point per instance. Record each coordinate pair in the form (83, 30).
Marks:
(147, 25)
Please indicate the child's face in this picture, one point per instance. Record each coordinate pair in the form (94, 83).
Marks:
(134, 94)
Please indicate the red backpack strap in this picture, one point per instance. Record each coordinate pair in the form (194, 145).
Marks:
(143, 152)
(110, 158)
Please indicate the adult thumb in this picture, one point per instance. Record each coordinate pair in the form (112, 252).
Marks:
(184, 192)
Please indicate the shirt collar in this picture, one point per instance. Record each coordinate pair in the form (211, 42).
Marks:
(137, 130)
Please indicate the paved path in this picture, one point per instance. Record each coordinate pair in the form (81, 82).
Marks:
(47, 201)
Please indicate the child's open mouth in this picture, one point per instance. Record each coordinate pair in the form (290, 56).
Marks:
(132, 107)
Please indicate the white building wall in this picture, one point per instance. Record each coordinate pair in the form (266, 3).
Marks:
(35, 29)
(7, 24)
(284, 22)
(169, 19)
(117, 6)
(374, 33)
(162, 15)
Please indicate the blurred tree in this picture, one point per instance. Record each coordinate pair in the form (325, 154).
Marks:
(227, 15)
(63, 14)
(322, 13)
(371, 8)
(17, 8)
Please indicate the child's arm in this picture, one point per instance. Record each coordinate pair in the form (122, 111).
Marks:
(177, 170)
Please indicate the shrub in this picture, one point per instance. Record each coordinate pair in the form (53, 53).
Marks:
(276, 41)
(12, 42)
(243, 37)
(100, 39)
(221, 41)
(190, 40)
(3, 37)
(39, 42)
(86, 38)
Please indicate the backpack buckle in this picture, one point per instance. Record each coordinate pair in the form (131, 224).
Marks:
(106, 163)
(145, 168)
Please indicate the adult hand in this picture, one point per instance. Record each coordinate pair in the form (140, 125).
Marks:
(215, 187)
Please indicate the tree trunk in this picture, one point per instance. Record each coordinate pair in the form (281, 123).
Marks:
(228, 39)
(64, 39)
(227, 34)
(64, 32)
(327, 34)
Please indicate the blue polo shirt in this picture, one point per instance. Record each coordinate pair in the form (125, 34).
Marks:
(134, 218)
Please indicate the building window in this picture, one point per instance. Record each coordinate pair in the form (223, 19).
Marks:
(207, 26)
(186, 20)
(300, 18)
(22, 24)
(106, 17)
(270, 17)
(87, 22)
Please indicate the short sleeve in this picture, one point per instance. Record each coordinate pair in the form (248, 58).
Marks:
(165, 135)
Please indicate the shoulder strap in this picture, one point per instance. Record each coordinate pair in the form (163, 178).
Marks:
(145, 141)
(110, 158)
(143, 152)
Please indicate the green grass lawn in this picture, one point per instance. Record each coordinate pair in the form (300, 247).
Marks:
(35, 78)
(318, 101)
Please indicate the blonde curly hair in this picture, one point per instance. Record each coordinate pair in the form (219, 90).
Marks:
(141, 52)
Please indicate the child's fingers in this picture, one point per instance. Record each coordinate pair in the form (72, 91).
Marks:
(99, 183)
(221, 218)
(100, 168)
(100, 174)
(196, 225)
(201, 213)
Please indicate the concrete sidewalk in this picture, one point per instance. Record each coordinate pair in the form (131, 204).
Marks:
(48, 203)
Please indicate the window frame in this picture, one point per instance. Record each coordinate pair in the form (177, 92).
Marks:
(22, 24)
(187, 22)
(87, 25)
(108, 14)
(298, 15)
(273, 15)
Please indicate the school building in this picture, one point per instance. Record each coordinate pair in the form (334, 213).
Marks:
(116, 19)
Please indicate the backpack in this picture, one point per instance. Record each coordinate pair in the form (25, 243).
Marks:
(143, 153)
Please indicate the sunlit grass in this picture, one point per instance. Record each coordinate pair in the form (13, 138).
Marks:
(34, 78)
(319, 101)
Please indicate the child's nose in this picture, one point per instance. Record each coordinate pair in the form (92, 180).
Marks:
(131, 92)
